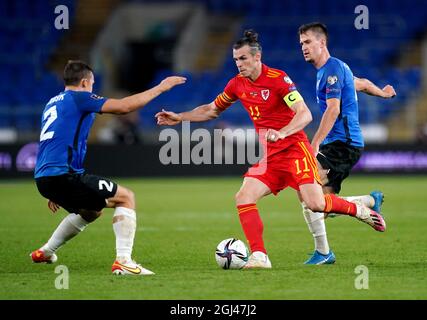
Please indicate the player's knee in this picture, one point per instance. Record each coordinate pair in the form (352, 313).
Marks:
(244, 197)
(316, 205)
(130, 196)
(89, 215)
(127, 199)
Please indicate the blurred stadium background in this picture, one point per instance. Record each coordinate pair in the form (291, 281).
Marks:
(134, 44)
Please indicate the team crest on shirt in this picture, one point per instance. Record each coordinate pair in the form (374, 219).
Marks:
(332, 80)
(265, 94)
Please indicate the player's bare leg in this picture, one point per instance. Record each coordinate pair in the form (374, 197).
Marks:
(124, 226)
(246, 198)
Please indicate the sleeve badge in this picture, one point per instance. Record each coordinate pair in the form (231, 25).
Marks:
(287, 80)
(332, 80)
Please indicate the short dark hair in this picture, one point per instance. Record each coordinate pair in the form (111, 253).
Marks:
(250, 38)
(75, 71)
(316, 27)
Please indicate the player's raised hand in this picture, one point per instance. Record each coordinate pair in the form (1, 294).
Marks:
(170, 82)
(389, 92)
(53, 206)
(167, 118)
(273, 135)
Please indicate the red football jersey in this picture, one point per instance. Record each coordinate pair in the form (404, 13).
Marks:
(267, 100)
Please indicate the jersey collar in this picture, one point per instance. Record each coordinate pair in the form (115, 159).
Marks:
(264, 70)
(327, 61)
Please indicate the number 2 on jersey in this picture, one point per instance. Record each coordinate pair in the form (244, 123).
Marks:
(51, 114)
(297, 164)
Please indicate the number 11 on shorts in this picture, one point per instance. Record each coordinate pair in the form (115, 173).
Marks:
(297, 164)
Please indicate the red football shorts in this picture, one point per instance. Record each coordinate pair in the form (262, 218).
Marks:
(291, 167)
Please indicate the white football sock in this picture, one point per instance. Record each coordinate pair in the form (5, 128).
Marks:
(316, 224)
(366, 200)
(124, 228)
(69, 227)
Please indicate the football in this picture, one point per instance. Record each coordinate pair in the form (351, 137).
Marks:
(231, 254)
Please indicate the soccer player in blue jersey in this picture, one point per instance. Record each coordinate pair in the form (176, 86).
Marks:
(61, 178)
(338, 142)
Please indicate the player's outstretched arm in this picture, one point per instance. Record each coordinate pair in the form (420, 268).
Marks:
(366, 86)
(139, 100)
(202, 113)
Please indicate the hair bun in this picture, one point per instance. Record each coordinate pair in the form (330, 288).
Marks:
(251, 35)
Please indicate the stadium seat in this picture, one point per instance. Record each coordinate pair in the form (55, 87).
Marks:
(26, 43)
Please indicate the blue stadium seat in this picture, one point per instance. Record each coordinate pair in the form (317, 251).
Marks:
(26, 41)
(26, 45)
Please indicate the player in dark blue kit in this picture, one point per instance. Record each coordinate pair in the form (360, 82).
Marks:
(338, 142)
(59, 173)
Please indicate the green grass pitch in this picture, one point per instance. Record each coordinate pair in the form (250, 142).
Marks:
(180, 222)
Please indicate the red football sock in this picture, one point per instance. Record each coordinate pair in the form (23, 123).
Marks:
(339, 205)
(252, 226)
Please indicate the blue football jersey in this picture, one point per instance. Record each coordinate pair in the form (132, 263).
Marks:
(335, 80)
(66, 122)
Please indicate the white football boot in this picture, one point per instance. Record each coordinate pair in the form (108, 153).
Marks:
(258, 259)
(130, 268)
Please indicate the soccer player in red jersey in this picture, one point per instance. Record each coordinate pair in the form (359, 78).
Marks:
(279, 115)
